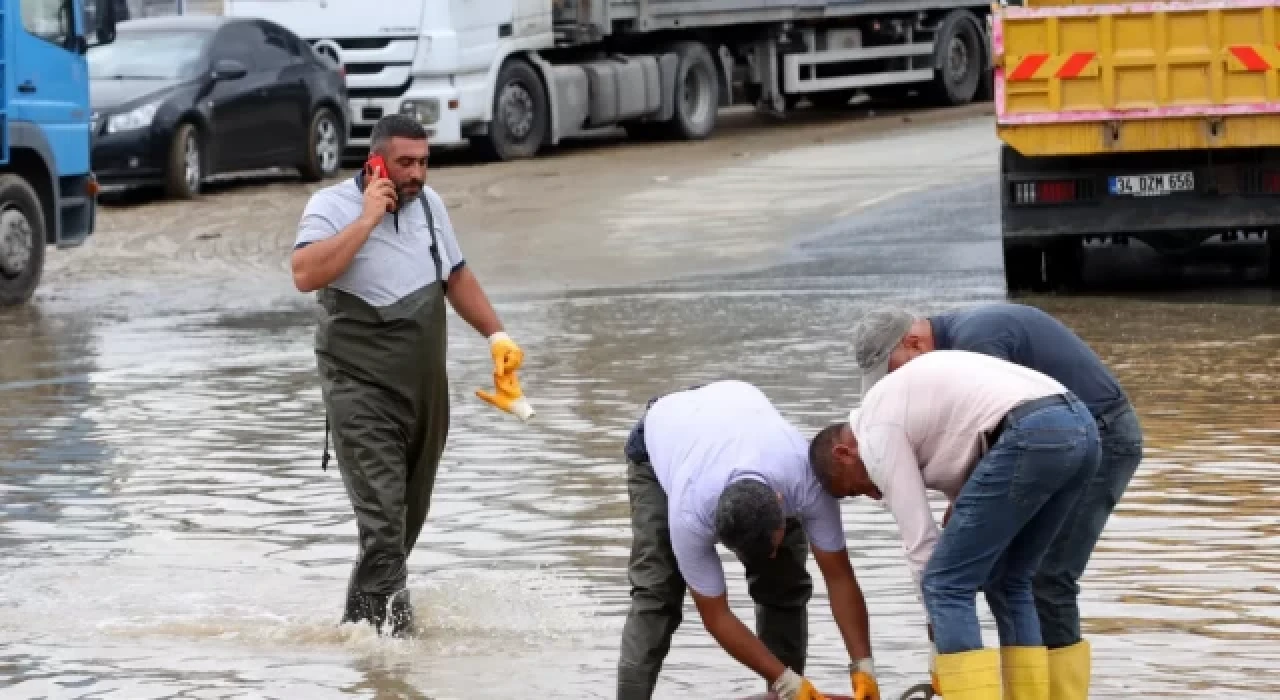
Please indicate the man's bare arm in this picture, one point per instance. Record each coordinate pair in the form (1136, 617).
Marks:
(468, 298)
(735, 638)
(317, 264)
(848, 606)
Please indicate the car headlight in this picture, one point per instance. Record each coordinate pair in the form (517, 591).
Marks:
(137, 118)
(424, 111)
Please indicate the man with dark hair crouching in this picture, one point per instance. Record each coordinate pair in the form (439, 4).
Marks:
(718, 463)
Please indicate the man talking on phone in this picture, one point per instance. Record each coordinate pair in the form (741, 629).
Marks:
(381, 252)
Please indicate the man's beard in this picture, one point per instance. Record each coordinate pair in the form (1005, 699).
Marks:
(402, 194)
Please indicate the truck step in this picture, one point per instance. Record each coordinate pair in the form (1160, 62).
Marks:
(72, 202)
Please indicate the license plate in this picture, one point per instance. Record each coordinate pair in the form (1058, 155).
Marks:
(1153, 185)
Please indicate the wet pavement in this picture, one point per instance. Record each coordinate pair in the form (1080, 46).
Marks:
(168, 531)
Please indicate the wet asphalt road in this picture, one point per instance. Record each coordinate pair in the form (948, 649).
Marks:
(168, 532)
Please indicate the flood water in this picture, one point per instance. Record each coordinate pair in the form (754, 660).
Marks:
(168, 533)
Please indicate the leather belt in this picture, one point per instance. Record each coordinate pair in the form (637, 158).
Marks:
(1021, 410)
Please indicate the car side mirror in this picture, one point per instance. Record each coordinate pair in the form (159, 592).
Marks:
(229, 69)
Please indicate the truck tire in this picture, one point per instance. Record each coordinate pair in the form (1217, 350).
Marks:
(325, 142)
(1064, 263)
(23, 237)
(697, 92)
(1022, 267)
(521, 115)
(959, 59)
(1273, 258)
(185, 173)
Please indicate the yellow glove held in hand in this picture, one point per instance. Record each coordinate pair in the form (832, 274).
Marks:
(508, 396)
(863, 677)
(507, 356)
(791, 686)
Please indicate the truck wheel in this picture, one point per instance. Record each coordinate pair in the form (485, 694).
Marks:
(1273, 257)
(1022, 271)
(324, 146)
(697, 92)
(520, 114)
(22, 240)
(1064, 263)
(186, 169)
(959, 57)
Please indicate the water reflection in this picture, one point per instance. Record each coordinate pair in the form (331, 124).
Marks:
(175, 535)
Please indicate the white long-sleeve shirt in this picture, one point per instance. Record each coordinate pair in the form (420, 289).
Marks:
(923, 427)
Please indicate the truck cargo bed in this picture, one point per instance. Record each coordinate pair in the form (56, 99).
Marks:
(1138, 76)
(654, 15)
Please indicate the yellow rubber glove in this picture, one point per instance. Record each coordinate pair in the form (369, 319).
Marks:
(863, 677)
(508, 396)
(507, 356)
(792, 686)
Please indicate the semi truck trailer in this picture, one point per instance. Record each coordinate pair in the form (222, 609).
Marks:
(512, 76)
(47, 192)
(1156, 122)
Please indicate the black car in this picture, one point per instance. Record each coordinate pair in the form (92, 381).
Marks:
(178, 99)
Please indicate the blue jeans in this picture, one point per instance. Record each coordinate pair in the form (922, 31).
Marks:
(1004, 520)
(1056, 583)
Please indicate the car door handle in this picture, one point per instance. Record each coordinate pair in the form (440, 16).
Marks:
(27, 86)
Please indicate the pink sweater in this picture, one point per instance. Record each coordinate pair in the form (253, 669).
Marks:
(922, 427)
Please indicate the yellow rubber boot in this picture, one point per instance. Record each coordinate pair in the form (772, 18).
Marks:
(1069, 670)
(1026, 673)
(969, 675)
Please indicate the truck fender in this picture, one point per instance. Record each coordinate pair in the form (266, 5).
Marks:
(29, 137)
(541, 65)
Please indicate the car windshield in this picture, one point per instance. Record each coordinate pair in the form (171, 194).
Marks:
(149, 55)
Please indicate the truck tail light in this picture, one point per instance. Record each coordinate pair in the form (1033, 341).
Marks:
(1048, 192)
(1271, 182)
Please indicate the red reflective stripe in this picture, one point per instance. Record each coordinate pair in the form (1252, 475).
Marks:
(1026, 70)
(1250, 57)
(1075, 64)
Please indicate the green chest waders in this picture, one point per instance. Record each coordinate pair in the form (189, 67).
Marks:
(386, 398)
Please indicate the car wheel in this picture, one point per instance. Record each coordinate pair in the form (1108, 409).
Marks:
(186, 170)
(22, 240)
(325, 142)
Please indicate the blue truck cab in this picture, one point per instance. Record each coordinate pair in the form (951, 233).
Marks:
(47, 190)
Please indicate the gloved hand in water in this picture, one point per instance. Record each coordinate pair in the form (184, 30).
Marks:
(792, 686)
(508, 396)
(507, 356)
(863, 675)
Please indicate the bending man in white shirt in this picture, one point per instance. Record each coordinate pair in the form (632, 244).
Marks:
(718, 463)
(1013, 450)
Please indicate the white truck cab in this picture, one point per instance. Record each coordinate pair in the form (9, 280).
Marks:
(434, 59)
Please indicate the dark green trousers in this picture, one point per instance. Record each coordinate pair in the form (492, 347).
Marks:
(385, 389)
(780, 587)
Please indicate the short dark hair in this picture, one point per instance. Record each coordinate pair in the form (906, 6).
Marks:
(820, 460)
(394, 126)
(747, 516)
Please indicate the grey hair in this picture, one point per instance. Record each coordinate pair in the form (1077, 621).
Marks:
(395, 126)
(820, 460)
(747, 516)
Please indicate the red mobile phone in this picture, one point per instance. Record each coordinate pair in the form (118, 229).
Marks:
(375, 166)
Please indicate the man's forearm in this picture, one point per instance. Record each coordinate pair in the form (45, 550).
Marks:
(745, 647)
(468, 298)
(318, 264)
(849, 608)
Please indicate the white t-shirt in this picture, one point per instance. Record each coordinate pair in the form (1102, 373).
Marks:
(700, 441)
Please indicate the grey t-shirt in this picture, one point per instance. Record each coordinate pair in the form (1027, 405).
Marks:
(703, 439)
(396, 259)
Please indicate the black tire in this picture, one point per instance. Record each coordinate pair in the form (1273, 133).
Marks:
(1064, 263)
(959, 60)
(23, 237)
(1273, 257)
(521, 114)
(1022, 267)
(697, 92)
(184, 176)
(326, 139)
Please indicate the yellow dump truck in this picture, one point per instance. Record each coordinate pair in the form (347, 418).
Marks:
(1154, 121)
